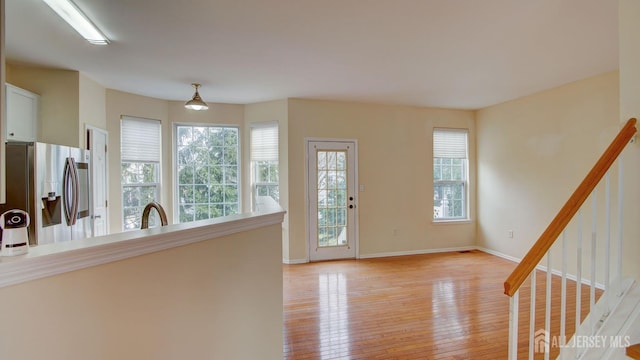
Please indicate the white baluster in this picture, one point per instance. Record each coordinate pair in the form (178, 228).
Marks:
(620, 213)
(513, 325)
(579, 274)
(594, 228)
(532, 315)
(563, 291)
(547, 310)
(607, 251)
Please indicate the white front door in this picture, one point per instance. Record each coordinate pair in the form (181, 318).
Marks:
(97, 143)
(332, 201)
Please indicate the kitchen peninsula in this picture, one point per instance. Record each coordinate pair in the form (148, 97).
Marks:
(200, 290)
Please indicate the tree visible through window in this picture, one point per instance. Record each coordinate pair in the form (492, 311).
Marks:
(450, 174)
(207, 183)
(266, 179)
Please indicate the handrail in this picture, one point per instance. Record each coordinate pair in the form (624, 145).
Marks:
(570, 208)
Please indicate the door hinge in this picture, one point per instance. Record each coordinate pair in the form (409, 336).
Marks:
(105, 148)
(106, 203)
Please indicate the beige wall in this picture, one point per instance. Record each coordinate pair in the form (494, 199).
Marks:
(629, 26)
(92, 107)
(59, 101)
(217, 299)
(532, 154)
(265, 112)
(219, 114)
(395, 166)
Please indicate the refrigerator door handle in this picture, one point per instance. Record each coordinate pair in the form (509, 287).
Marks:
(70, 183)
(66, 178)
(76, 196)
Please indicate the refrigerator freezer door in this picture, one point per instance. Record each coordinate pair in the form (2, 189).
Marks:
(50, 160)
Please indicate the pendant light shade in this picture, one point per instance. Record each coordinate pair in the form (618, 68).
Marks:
(196, 102)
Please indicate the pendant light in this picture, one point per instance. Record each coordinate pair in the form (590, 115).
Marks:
(196, 102)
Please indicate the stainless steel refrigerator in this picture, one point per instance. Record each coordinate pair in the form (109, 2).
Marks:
(51, 183)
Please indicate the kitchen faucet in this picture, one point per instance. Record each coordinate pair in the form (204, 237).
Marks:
(146, 212)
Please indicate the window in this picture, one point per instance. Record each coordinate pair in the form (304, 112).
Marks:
(207, 184)
(450, 174)
(140, 168)
(264, 160)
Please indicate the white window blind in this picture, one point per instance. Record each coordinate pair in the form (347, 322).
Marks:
(264, 142)
(140, 139)
(450, 143)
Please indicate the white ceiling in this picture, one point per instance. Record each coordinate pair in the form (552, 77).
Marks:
(464, 54)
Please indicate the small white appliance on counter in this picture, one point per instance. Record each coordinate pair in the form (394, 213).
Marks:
(15, 237)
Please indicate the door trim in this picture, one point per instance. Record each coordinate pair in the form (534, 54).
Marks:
(356, 224)
(88, 144)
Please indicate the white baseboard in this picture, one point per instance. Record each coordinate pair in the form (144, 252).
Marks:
(294, 261)
(389, 254)
(416, 252)
(498, 254)
(540, 267)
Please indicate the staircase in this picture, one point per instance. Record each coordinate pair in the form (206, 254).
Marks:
(596, 314)
(633, 351)
(619, 329)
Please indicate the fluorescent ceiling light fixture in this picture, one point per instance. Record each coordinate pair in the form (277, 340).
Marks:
(68, 11)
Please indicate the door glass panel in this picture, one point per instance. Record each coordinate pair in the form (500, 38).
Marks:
(332, 201)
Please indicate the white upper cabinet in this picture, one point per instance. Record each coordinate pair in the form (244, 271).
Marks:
(22, 114)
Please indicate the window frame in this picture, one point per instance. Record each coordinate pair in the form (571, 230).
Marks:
(465, 217)
(254, 164)
(155, 185)
(257, 184)
(158, 172)
(174, 151)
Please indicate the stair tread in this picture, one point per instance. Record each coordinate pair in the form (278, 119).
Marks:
(633, 351)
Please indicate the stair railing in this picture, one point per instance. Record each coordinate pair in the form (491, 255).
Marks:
(557, 229)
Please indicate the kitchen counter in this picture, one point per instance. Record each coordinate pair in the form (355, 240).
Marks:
(58, 258)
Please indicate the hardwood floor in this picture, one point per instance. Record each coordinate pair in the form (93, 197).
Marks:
(434, 306)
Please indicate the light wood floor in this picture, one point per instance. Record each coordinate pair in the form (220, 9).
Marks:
(435, 306)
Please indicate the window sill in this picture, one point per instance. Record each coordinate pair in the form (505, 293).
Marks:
(452, 222)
